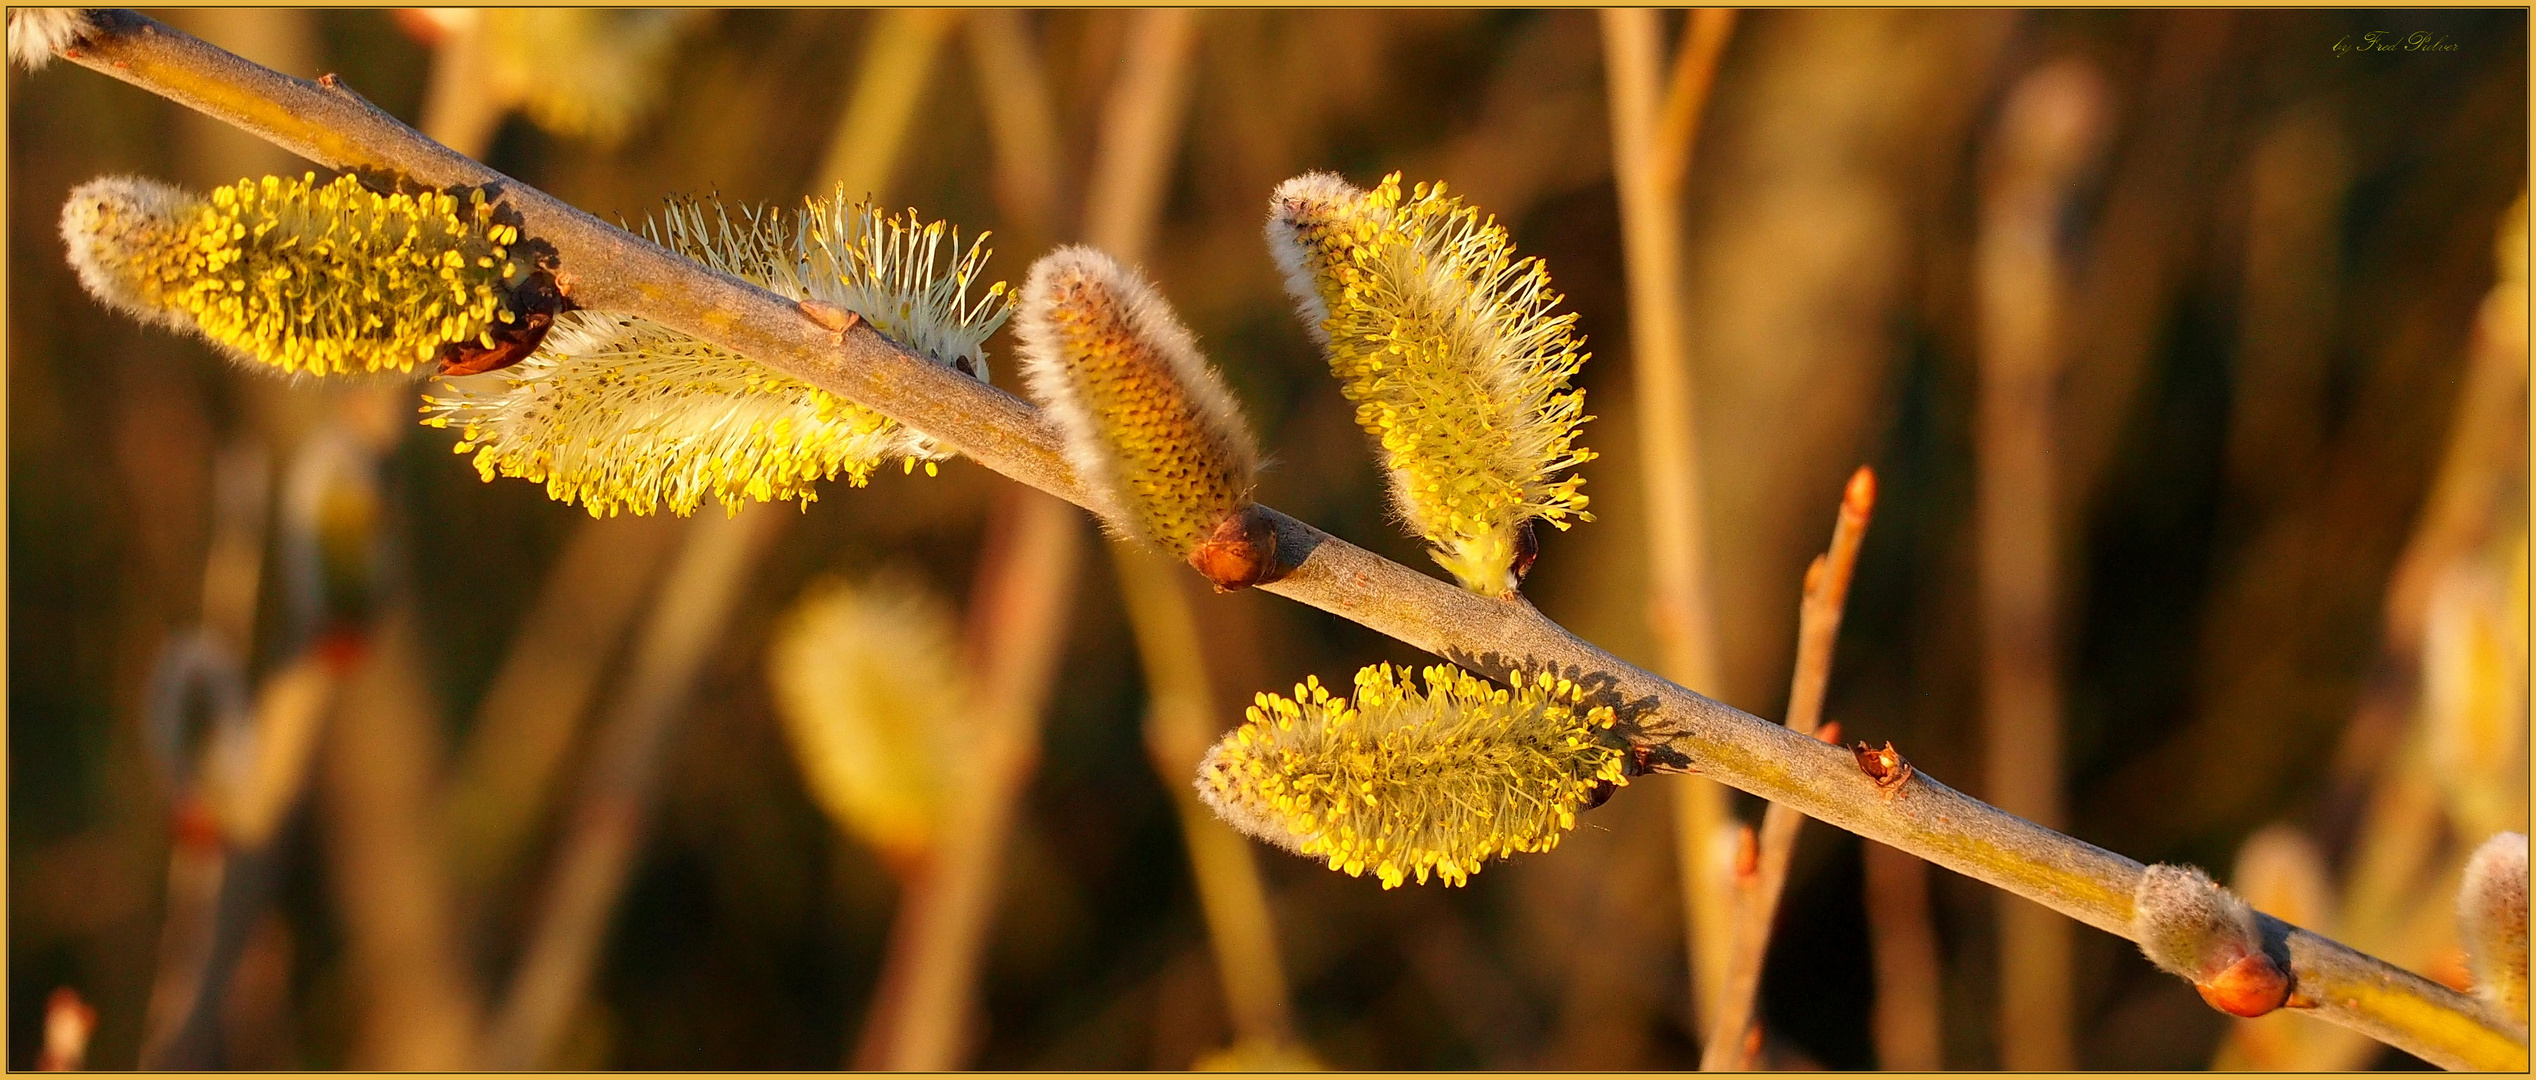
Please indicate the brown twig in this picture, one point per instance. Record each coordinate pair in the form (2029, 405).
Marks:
(1677, 728)
(1651, 149)
(1817, 631)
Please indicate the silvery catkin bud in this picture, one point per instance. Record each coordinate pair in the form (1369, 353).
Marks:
(1148, 423)
(2492, 921)
(2190, 926)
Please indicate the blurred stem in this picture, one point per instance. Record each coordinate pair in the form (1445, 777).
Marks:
(499, 790)
(1139, 142)
(1180, 723)
(1021, 118)
(1140, 133)
(420, 1009)
(1017, 625)
(1817, 631)
(2045, 136)
(1017, 621)
(459, 109)
(1676, 728)
(898, 56)
(1907, 1033)
(1651, 148)
(233, 567)
(596, 852)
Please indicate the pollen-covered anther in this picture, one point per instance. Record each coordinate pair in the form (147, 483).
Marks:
(310, 278)
(622, 414)
(1406, 784)
(1149, 425)
(2189, 925)
(1459, 367)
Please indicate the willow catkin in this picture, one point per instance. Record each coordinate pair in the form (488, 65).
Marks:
(1404, 783)
(1147, 421)
(303, 277)
(1449, 347)
(622, 414)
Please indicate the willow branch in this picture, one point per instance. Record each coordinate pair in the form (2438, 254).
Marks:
(1817, 630)
(1678, 729)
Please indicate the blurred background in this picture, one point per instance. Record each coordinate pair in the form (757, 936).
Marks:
(2197, 336)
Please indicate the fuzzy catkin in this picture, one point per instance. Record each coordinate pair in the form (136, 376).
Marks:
(2492, 922)
(587, 73)
(2188, 924)
(621, 414)
(1402, 783)
(1448, 346)
(868, 686)
(1147, 421)
(36, 35)
(309, 278)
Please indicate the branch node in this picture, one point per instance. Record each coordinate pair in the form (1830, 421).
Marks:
(1887, 767)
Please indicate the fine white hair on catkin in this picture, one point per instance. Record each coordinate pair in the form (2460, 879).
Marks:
(2188, 924)
(37, 35)
(98, 223)
(1311, 196)
(1080, 282)
(2492, 920)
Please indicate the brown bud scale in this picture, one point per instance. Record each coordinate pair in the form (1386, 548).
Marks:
(1887, 767)
(1241, 552)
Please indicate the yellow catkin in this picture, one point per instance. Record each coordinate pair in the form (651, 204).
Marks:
(587, 73)
(309, 278)
(867, 683)
(1403, 784)
(620, 414)
(1147, 421)
(1447, 344)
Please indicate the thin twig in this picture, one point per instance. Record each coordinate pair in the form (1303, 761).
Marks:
(2049, 130)
(1677, 728)
(1649, 163)
(1817, 631)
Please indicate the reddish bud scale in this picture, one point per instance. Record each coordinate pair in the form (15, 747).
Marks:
(2252, 986)
(1241, 552)
(1887, 767)
(539, 299)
